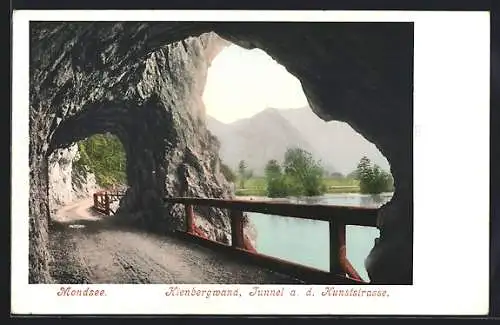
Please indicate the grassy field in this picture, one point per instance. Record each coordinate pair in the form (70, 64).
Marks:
(344, 185)
(256, 186)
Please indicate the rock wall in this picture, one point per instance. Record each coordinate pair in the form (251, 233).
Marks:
(142, 81)
(67, 183)
(152, 103)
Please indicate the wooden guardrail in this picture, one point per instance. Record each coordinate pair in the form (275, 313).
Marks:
(341, 271)
(103, 199)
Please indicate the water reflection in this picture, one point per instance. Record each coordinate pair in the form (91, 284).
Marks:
(358, 200)
(308, 200)
(359, 242)
(297, 240)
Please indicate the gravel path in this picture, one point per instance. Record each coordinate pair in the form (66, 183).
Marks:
(90, 248)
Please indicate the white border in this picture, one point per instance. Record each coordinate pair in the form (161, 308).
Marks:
(451, 152)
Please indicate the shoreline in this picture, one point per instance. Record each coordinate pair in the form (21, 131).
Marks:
(266, 198)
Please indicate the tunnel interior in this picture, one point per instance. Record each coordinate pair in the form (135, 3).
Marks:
(143, 82)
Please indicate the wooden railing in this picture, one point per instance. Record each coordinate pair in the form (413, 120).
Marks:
(340, 272)
(103, 199)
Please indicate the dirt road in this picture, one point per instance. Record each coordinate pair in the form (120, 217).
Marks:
(90, 248)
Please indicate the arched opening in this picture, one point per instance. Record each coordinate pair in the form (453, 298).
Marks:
(356, 73)
(105, 157)
(121, 142)
(258, 111)
(97, 163)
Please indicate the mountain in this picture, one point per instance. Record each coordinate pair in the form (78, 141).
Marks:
(258, 139)
(269, 133)
(335, 141)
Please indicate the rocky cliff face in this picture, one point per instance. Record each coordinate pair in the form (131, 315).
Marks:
(153, 104)
(142, 81)
(67, 183)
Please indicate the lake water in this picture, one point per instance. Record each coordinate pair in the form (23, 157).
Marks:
(307, 241)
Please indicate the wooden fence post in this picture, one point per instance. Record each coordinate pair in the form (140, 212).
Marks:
(237, 237)
(345, 266)
(106, 203)
(189, 218)
(337, 235)
(95, 201)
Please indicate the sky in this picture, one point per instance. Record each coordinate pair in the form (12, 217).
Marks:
(243, 82)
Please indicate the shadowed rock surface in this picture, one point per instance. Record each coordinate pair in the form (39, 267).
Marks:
(143, 82)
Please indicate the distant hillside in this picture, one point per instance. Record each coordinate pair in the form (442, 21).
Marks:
(269, 133)
(258, 139)
(335, 141)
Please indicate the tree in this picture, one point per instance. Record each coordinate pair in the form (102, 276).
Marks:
(300, 175)
(273, 168)
(104, 156)
(276, 181)
(353, 175)
(296, 162)
(244, 173)
(242, 166)
(372, 179)
(304, 172)
(227, 172)
(337, 175)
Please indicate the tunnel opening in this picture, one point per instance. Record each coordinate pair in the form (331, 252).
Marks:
(260, 115)
(124, 147)
(85, 167)
(105, 157)
(257, 110)
(160, 82)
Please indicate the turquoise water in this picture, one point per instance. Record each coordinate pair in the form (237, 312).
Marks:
(307, 241)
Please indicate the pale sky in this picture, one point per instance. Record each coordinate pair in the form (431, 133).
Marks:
(243, 82)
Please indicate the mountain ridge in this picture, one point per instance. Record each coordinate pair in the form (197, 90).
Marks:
(257, 139)
(267, 134)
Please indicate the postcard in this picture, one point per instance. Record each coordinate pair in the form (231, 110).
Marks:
(246, 162)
